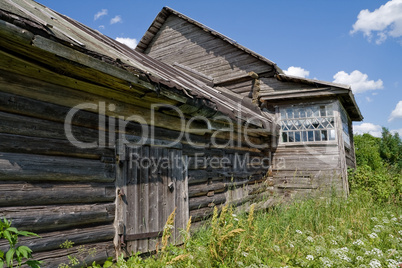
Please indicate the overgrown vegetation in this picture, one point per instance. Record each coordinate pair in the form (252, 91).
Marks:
(379, 166)
(326, 232)
(364, 230)
(361, 231)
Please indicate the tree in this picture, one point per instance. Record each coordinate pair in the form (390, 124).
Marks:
(391, 149)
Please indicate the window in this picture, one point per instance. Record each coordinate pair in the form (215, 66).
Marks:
(345, 127)
(307, 123)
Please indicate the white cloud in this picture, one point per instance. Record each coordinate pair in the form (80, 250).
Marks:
(130, 42)
(116, 19)
(297, 71)
(374, 130)
(368, 99)
(385, 21)
(101, 13)
(358, 81)
(397, 130)
(101, 27)
(397, 112)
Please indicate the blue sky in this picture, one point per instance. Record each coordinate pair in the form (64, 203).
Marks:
(352, 42)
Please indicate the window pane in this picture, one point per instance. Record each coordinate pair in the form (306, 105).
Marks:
(332, 134)
(291, 137)
(302, 113)
(316, 112)
(311, 136)
(297, 136)
(295, 113)
(309, 112)
(289, 112)
(324, 135)
(322, 111)
(317, 135)
(315, 123)
(304, 134)
(330, 110)
(284, 136)
(283, 114)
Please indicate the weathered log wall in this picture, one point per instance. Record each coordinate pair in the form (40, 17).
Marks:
(51, 187)
(64, 192)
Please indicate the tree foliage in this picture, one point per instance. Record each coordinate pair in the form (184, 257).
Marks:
(379, 166)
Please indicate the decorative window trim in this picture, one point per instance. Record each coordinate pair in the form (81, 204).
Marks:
(311, 124)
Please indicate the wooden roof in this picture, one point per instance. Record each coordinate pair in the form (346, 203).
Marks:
(55, 33)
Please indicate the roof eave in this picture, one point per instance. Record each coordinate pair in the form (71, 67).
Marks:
(324, 89)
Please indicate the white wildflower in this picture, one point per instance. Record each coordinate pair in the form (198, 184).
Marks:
(326, 262)
(374, 263)
(319, 251)
(375, 252)
(374, 219)
(385, 220)
(394, 219)
(378, 228)
(331, 228)
(359, 258)
(400, 232)
(276, 248)
(358, 242)
(299, 232)
(391, 236)
(333, 242)
(245, 254)
(392, 263)
(310, 239)
(310, 257)
(373, 235)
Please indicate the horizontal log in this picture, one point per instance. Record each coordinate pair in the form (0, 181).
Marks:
(204, 189)
(201, 214)
(52, 218)
(23, 194)
(31, 167)
(28, 126)
(205, 201)
(25, 144)
(101, 251)
(202, 176)
(53, 240)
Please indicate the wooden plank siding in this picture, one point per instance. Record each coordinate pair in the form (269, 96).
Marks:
(189, 45)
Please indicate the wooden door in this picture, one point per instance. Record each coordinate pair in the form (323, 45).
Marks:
(156, 184)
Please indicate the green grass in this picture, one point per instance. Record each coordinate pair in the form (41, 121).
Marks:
(323, 232)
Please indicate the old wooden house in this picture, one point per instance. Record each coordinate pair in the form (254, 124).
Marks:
(100, 143)
(315, 146)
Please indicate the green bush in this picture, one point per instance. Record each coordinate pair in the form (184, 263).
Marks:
(379, 166)
(382, 184)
